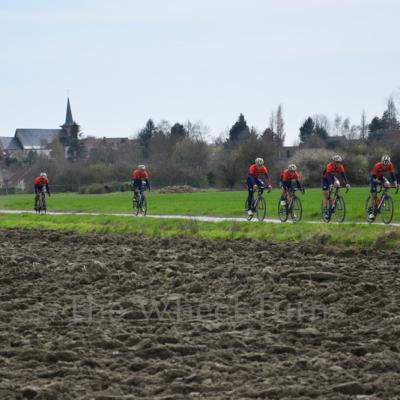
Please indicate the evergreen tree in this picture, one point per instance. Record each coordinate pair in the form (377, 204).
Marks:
(239, 130)
(178, 132)
(375, 129)
(145, 136)
(71, 140)
(307, 130)
(320, 132)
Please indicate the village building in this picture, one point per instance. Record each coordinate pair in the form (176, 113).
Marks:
(33, 139)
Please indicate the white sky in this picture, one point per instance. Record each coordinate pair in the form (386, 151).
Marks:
(124, 61)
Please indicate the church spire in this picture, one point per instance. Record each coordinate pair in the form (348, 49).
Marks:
(68, 118)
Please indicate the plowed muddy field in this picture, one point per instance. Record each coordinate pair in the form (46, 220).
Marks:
(113, 317)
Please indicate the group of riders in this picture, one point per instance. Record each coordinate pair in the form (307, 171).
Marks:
(258, 177)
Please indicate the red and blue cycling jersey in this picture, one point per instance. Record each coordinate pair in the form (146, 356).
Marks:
(287, 178)
(138, 177)
(40, 183)
(332, 170)
(380, 170)
(255, 173)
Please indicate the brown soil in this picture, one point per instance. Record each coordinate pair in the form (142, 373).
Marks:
(112, 317)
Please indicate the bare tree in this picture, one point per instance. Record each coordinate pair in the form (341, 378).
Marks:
(337, 124)
(272, 122)
(363, 126)
(346, 127)
(391, 108)
(280, 125)
(322, 121)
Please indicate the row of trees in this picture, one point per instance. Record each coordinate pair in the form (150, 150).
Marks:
(180, 154)
(315, 130)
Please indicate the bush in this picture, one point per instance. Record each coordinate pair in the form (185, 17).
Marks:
(94, 188)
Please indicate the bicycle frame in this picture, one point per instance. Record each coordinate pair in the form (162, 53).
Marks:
(292, 194)
(380, 200)
(260, 192)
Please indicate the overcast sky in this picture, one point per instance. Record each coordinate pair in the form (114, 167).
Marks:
(124, 61)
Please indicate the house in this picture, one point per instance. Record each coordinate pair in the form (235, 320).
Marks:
(38, 140)
(91, 143)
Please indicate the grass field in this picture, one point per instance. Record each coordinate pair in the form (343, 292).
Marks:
(347, 235)
(201, 203)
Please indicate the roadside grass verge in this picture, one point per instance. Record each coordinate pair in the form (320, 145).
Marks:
(323, 234)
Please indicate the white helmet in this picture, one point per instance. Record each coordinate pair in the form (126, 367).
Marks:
(292, 168)
(43, 175)
(337, 158)
(385, 159)
(141, 167)
(259, 161)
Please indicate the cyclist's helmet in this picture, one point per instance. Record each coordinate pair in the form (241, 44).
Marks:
(43, 175)
(337, 158)
(141, 167)
(259, 161)
(292, 168)
(385, 159)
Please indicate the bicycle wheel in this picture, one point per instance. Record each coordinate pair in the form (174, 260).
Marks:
(340, 210)
(135, 204)
(44, 207)
(261, 208)
(282, 211)
(296, 211)
(326, 217)
(143, 207)
(387, 210)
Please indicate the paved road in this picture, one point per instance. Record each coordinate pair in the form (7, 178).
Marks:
(204, 218)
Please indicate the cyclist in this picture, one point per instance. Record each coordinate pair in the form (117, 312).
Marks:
(40, 182)
(140, 180)
(288, 177)
(257, 176)
(329, 179)
(377, 177)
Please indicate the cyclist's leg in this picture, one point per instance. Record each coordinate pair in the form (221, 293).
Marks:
(325, 188)
(372, 198)
(250, 194)
(36, 200)
(136, 186)
(373, 189)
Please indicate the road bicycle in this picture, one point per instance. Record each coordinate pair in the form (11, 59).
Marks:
(383, 205)
(335, 205)
(139, 202)
(40, 206)
(258, 206)
(293, 207)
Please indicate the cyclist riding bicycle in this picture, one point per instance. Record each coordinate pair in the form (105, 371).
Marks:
(377, 177)
(288, 177)
(140, 180)
(330, 179)
(40, 182)
(257, 176)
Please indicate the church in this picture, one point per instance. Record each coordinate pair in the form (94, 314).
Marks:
(38, 140)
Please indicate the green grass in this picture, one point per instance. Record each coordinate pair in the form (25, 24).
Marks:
(344, 235)
(201, 203)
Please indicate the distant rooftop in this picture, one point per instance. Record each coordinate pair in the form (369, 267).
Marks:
(34, 139)
(10, 143)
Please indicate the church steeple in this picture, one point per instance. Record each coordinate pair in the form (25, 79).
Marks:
(69, 126)
(68, 117)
